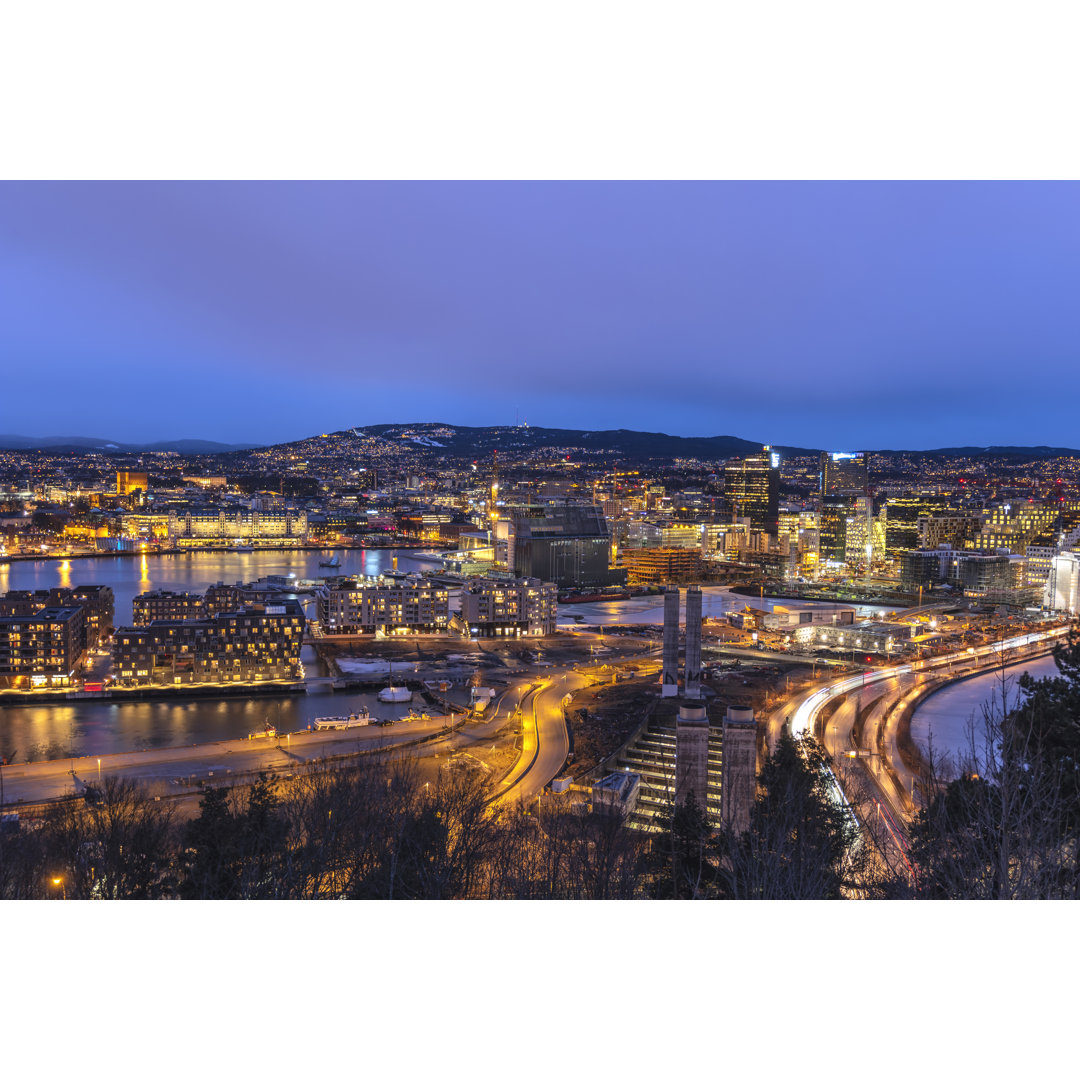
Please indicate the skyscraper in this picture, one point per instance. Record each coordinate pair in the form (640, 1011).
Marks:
(843, 473)
(752, 489)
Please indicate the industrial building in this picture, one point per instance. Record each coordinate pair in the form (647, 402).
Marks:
(791, 618)
(569, 545)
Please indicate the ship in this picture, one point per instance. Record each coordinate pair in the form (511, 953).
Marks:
(362, 718)
(332, 564)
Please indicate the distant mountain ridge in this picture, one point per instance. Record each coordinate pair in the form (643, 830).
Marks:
(462, 441)
(84, 442)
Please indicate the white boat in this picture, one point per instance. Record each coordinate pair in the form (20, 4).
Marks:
(395, 693)
(342, 723)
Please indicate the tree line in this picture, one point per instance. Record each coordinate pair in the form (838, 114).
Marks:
(1000, 823)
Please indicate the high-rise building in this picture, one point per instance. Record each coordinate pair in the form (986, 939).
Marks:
(752, 489)
(832, 534)
(902, 521)
(843, 473)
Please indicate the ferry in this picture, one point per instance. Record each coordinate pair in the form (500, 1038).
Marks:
(342, 723)
(331, 564)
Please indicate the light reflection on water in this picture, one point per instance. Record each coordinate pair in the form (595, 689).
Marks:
(86, 728)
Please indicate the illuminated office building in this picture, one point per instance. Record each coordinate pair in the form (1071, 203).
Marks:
(752, 489)
(843, 474)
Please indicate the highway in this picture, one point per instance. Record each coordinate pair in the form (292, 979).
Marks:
(883, 688)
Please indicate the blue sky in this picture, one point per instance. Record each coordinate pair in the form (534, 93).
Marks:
(862, 315)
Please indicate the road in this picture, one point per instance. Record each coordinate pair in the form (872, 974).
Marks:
(183, 766)
(545, 740)
(890, 688)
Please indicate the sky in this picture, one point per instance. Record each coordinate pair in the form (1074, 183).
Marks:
(843, 315)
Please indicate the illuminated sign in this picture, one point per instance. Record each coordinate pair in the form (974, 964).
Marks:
(844, 457)
(774, 460)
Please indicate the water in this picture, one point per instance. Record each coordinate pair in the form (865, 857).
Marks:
(947, 715)
(717, 601)
(35, 732)
(128, 576)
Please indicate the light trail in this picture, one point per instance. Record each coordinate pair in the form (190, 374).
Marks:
(803, 719)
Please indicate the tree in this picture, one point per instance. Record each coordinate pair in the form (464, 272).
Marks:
(802, 842)
(1046, 724)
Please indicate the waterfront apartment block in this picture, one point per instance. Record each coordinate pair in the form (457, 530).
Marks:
(259, 643)
(411, 606)
(510, 608)
(97, 603)
(162, 604)
(226, 528)
(41, 649)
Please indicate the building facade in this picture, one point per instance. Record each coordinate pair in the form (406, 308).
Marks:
(161, 604)
(227, 528)
(752, 489)
(42, 649)
(256, 644)
(413, 606)
(843, 474)
(519, 608)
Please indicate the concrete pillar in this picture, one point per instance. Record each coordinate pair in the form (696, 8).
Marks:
(738, 770)
(669, 676)
(692, 754)
(692, 669)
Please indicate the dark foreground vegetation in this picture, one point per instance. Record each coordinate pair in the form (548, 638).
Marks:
(1000, 824)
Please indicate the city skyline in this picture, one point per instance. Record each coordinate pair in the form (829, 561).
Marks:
(876, 315)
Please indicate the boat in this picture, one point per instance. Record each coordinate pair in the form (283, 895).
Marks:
(243, 547)
(342, 723)
(332, 564)
(268, 732)
(390, 692)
